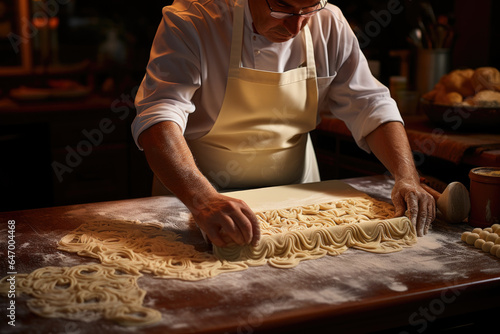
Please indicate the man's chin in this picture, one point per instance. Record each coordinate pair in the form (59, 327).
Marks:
(279, 38)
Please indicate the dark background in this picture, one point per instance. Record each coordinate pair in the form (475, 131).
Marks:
(474, 23)
(85, 24)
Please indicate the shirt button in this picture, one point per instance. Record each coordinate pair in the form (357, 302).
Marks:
(254, 37)
(257, 52)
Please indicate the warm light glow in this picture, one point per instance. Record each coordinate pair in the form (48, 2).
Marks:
(40, 22)
(53, 22)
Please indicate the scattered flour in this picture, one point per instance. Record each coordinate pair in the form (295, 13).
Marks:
(397, 286)
(59, 257)
(24, 245)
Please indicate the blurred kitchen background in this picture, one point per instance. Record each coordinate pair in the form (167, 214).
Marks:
(69, 70)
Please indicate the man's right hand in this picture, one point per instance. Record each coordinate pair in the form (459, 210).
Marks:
(225, 220)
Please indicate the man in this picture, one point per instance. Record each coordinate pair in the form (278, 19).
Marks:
(231, 91)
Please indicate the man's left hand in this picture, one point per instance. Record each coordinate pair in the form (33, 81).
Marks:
(411, 199)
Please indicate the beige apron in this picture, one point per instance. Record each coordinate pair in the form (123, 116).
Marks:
(260, 137)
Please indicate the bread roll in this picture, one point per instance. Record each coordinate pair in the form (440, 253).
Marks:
(449, 99)
(486, 78)
(485, 98)
(459, 81)
(468, 87)
(439, 89)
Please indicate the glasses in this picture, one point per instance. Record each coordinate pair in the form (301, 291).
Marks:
(283, 15)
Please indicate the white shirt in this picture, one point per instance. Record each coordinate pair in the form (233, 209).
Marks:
(187, 72)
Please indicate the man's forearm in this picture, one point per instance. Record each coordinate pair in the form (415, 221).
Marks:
(172, 162)
(390, 145)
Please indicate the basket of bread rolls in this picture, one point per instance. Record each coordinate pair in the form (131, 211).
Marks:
(465, 99)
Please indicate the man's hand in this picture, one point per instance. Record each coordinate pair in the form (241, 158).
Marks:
(410, 198)
(390, 144)
(226, 220)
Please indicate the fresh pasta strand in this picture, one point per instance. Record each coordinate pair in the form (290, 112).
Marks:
(85, 293)
(350, 210)
(144, 248)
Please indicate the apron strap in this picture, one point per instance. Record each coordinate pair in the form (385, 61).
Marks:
(237, 38)
(311, 64)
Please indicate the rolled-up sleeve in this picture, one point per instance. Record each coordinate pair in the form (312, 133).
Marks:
(355, 95)
(172, 77)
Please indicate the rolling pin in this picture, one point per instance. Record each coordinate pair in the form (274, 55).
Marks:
(453, 204)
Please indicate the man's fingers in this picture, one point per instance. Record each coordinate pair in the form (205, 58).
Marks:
(243, 228)
(254, 226)
(419, 204)
(413, 211)
(256, 234)
(399, 205)
(427, 209)
(412, 206)
(431, 214)
(227, 220)
(422, 219)
(246, 221)
(221, 231)
(422, 211)
(226, 238)
(215, 237)
(233, 227)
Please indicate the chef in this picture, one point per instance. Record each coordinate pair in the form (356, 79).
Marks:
(231, 91)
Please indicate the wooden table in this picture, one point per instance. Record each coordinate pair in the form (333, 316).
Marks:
(438, 283)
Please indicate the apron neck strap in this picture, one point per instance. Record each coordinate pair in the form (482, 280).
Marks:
(237, 38)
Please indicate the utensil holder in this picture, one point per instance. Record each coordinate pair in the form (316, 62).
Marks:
(431, 65)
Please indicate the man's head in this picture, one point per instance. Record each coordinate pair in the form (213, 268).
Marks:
(281, 20)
